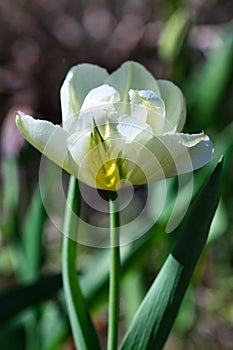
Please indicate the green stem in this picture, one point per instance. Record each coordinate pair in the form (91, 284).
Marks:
(114, 279)
(84, 334)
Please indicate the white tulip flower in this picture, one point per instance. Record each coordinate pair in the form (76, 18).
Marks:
(118, 129)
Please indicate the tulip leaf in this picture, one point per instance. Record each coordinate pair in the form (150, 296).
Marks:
(31, 238)
(156, 315)
(132, 75)
(11, 183)
(173, 35)
(20, 297)
(217, 68)
(10, 196)
(85, 336)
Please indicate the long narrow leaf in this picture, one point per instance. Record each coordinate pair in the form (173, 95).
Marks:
(10, 197)
(82, 327)
(31, 238)
(21, 297)
(157, 313)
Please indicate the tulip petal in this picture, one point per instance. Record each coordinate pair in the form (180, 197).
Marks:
(48, 138)
(174, 102)
(97, 161)
(78, 82)
(132, 75)
(79, 144)
(102, 96)
(152, 100)
(149, 107)
(105, 120)
(173, 154)
(133, 129)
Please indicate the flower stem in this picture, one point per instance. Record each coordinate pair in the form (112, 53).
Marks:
(114, 281)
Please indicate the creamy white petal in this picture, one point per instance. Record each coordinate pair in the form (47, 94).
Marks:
(174, 103)
(79, 144)
(170, 155)
(133, 129)
(78, 82)
(145, 98)
(103, 95)
(149, 107)
(132, 75)
(48, 138)
(105, 120)
(152, 100)
(201, 153)
(97, 162)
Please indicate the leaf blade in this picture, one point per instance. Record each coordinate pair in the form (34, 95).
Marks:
(83, 330)
(157, 313)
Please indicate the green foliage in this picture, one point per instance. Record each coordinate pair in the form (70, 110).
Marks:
(32, 231)
(205, 88)
(82, 328)
(157, 313)
(172, 36)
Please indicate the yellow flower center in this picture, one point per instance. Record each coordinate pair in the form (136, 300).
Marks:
(108, 174)
(106, 170)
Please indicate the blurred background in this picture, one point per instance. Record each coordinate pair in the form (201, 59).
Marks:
(188, 42)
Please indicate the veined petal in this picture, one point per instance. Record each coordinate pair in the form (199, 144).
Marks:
(149, 107)
(97, 159)
(133, 129)
(132, 75)
(103, 95)
(48, 138)
(79, 144)
(78, 82)
(173, 154)
(105, 119)
(152, 100)
(174, 103)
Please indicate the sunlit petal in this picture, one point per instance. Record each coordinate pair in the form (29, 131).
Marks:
(149, 107)
(174, 102)
(176, 154)
(132, 75)
(103, 96)
(48, 138)
(133, 129)
(78, 82)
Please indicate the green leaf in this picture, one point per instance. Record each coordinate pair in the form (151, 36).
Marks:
(82, 327)
(31, 238)
(157, 313)
(53, 327)
(217, 72)
(10, 183)
(132, 75)
(172, 36)
(10, 196)
(131, 301)
(18, 298)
